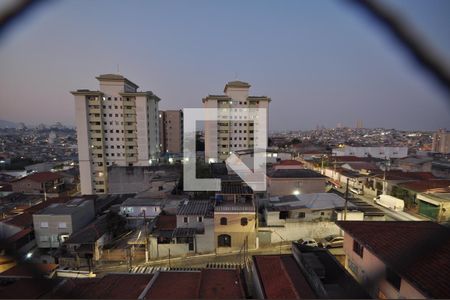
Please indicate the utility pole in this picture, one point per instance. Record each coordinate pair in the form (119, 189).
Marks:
(346, 201)
(146, 238)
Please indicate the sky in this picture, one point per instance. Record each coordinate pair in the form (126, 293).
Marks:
(321, 62)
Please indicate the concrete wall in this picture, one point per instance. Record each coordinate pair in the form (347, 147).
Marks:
(293, 231)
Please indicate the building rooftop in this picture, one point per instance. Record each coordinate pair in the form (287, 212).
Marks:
(236, 84)
(67, 208)
(204, 284)
(42, 177)
(294, 173)
(427, 186)
(166, 222)
(195, 207)
(235, 188)
(116, 77)
(28, 270)
(111, 286)
(418, 251)
(280, 278)
(28, 288)
(314, 201)
(143, 202)
(90, 233)
(289, 162)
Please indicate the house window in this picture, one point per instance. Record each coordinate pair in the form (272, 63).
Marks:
(301, 214)
(44, 238)
(185, 219)
(358, 248)
(393, 279)
(244, 221)
(44, 224)
(224, 240)
(322, 213)
(223, 221)
(200, 219)
(62, 225)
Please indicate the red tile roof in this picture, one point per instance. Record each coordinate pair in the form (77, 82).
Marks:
(418, 251)
(175, 285)
(290, 162)
(28, 288)
(204, 284)
(221, 284)
(348, 159)
(29, 270)
(112, 286)
(400, 175)
(432, 186)
(166, 222)
(43, 177)
(25, 219)
(281, 277)
(361, 165)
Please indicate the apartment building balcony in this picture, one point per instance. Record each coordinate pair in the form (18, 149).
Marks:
(129, 111)
(93, 118)
(95, 111)
(96, 135)
(96, 127)
(97, 151)
(130, 119)
(130, 127)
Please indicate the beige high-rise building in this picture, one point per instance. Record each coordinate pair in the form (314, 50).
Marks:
(441, 141)
(236, 134)
(116, 125)
(171, 131)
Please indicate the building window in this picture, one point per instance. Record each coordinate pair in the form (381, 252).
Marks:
(185, 219)
(358, 248)
(62, 225)
(223, 221)
(44, 224)
(393, 278)
(224, 240)
(301, 215)
(200, 219)
(244, 221)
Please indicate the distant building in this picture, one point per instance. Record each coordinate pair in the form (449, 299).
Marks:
(359, 124)
(238, 134)
(171, 131)
(441, 141)
(381, 152)
(117, 125)
(399, 259)
(55, 223)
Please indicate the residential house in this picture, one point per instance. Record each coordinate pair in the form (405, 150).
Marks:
(307, 273)
(55, 223)
(399, 259)
(136, 209)
(48, 183)
(235, 218)
(435, 206)
(85, 246)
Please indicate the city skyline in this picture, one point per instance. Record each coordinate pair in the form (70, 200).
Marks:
(339, 71)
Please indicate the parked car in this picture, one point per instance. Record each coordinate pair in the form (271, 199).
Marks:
(333, 241)
(309, 242)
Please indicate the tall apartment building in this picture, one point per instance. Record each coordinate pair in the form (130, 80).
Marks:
(236, 133)
(441, 141)
(171, 131)
(117, 125)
